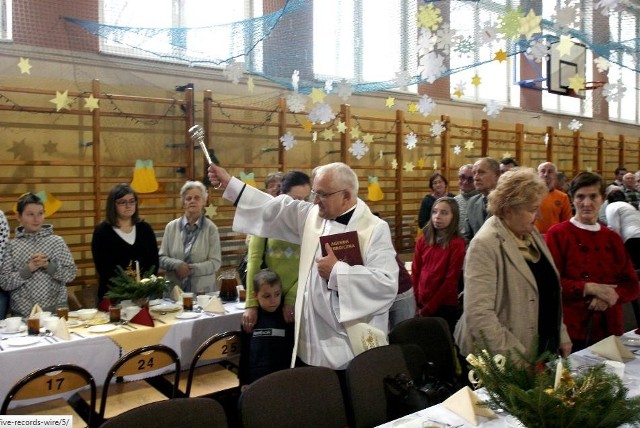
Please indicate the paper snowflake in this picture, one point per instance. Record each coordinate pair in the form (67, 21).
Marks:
(394, 164)
(321, 113)
(426, 41)
(488, 33)
(344, 90)
(530, 24)
(457, 150)
(614, 92)
(510, 23)
(410, 140)
(445, 38)
(402, 79)
(429, 17)
(233, 72)
(328, 86)
(408, 166)
(435, 165)
(295, 78)
(565, 16)
(574, 125)
(422, 162)
(433, 66)
(492, 108)
(459, 88)
(288, 141)
(465, 46)
(426, 105)
(437, 128)
(602, 64)
(358, 149)
(296, 102)
(538, 50)
(546, 139)
(606, 6)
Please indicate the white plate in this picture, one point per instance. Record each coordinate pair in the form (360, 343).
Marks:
(240, 305)
(630, 341)
(73, 314)
(74, 323)
(102, 328)
(187, 315)
(23, 341)
(21, 329)
(166, 307)
(155, 302)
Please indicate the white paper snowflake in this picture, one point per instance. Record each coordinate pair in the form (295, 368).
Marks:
(402, 79)
(565, 16)
(344, 90)
(358, 149)
(394, 164)
(437, 128)
(538, 50)
(433, 66)
(460, 87)
(602, 64)
(295, 78)
(321, 113)
(574, 125)
(435, 165)
(492, 108)
(457, 150)
(426, 41)
(288, 141)
(488, 33)
(446, 36)
(606, 6)
(410, 140)
(234, 71)
(426, 105)
(296, 102)
(614, 91)
(328, 86)
(546, 139)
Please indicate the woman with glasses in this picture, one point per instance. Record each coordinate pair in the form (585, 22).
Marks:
(122, 239)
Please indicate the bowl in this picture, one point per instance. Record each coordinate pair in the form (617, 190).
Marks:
(87, 314)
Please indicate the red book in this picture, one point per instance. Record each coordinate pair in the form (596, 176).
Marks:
(345, 246)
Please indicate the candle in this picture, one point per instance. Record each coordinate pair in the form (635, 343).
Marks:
(556, 384)
(137, 271)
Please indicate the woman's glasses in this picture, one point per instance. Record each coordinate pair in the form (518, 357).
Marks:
(128, 202)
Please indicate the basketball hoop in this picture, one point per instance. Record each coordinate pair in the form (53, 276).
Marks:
(590, 86)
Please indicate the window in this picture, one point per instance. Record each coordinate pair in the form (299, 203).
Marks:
(6, 31)
(624, 28)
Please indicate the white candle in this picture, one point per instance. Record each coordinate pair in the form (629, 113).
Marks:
(137, 271)
(556, 384)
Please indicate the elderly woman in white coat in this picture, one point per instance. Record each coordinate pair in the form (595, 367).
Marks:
(190, 251)
(512, 300)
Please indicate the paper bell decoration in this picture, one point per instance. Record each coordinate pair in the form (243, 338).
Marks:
(374, 191)
(144, 177)
(248, 179)
(50, 202)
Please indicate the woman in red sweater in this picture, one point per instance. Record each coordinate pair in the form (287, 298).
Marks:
(596, 272)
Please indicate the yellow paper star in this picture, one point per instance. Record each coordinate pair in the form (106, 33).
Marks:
(367, 138)
(476, 80)
(500, 56)
(250, 85)
(327, 134)
(530, 24)
(589, 169)
(576, 83)
(507, 155)
(435, 164)
(422, 162)
(342, 127)
(390, 102)
(458, 93)
(413, 107)
(355, 133)
(408, 166)
(317, 95)
(61, 100)
(468, 145)
(24, 66)
(211, 211)
(307, 126)
(564, 46)
(91, 103)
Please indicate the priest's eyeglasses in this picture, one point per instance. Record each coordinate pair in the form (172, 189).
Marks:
(323, 196)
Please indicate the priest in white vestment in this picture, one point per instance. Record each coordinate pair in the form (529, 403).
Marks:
(331, 294)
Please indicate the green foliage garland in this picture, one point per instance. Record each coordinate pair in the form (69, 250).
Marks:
(125, 286)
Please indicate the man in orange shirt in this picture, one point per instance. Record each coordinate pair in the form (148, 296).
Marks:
(555, 207)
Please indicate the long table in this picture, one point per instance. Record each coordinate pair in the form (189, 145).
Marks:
(97, 352)
(439, 413)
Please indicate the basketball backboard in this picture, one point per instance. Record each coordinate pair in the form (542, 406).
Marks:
(563, 66)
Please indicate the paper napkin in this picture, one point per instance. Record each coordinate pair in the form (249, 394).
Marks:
(612, 348)
(464, 403)
(104, 305)
(215, 306)
(143, 317)
(35, 310)
(62, 332)
(176, 293)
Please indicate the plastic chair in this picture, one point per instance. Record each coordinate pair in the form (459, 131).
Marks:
(48, 382)
(120, 397)
(292, 398)
(365, 383)
(179, 412)
(212, 378)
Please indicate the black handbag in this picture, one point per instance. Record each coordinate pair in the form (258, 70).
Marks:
(403, 396)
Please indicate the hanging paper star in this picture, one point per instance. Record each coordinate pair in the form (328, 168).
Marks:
(394, 164)
(327, 134)
(367, 138)
(459, 89)
(500, 56)
(355, 132)
(564, 46)
(250, 84)
(342, 127)
(211, 211)
(307, 126)
(18, 149)
(576, 83)
(530, 24)
(589, 169)
(390, 102)
(574, 125)
(602, 64)
(24, 66)
(317, 95)
(468, 145)
(507, 155)
(344, 90)
(408, 166)
(457, 150)
(435, 164)
(50, 147)
(61, 100)
(412, 107)
(422, 162)
(476, 80)
(91, 103)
